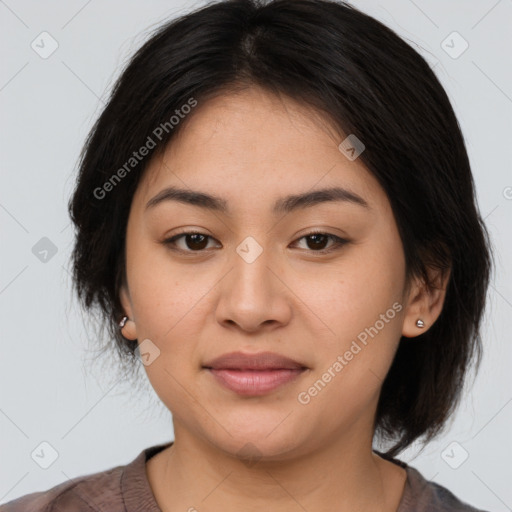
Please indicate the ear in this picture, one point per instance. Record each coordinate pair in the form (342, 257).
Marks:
(129, 330)
(424, 303)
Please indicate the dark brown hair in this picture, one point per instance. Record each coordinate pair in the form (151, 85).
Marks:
(368, 81)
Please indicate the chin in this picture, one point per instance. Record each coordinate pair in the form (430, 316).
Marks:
(258, 446)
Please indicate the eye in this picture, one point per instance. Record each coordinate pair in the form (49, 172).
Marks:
(318, 239)
(194, 241)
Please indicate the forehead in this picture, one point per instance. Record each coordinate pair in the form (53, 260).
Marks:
(255, 146)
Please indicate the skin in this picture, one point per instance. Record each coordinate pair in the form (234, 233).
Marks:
(252, 148)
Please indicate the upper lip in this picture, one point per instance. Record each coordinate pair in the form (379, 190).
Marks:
(258, 361)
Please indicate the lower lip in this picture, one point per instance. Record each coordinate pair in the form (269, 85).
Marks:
(254, 382)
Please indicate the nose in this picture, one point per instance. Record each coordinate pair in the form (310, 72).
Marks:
(254, 295)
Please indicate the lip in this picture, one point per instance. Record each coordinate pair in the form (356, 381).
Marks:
(255, 361)
(254, 382)
(254, 374)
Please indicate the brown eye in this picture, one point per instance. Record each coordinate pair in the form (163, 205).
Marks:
(197, 242)
(192, 242)
(317, 242)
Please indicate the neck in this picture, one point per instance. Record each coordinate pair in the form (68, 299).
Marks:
(192, 474)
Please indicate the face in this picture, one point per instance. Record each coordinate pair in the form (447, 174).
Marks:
(321, 281)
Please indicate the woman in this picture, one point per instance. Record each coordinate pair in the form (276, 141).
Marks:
(275, 213)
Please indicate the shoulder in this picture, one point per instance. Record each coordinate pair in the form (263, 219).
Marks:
(88, 493)
(421, 495)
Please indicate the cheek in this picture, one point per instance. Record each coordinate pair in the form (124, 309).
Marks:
(361, 305)
(352, 293)
(168, 306)
(353, 363)
(163, 295)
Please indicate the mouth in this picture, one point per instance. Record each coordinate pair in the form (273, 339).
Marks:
(254, 382)
(254, 374)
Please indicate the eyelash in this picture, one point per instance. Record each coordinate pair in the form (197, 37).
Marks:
(339, 242)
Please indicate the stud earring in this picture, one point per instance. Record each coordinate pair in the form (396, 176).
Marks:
(122, 323)
(420, 323)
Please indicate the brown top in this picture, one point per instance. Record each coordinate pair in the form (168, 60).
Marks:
(126, 489)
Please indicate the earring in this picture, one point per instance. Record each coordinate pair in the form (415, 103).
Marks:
(420, 323)
(122, 323)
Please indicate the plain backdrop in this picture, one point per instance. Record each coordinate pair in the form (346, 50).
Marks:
(48, 104)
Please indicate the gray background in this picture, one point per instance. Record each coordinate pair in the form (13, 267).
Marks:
(48, 393)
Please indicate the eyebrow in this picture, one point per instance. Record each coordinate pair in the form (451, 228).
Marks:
(283, 205)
